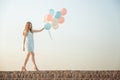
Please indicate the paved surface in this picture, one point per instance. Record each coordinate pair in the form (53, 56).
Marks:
(60, 75)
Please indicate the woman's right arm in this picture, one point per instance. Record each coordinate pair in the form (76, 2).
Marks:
(24, 41)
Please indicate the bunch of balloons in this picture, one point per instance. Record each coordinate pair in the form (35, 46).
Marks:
(53, 19)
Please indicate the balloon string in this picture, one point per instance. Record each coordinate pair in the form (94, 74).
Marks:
(50, 34)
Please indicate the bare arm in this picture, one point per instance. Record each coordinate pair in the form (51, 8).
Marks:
(24, 41)
(38, 30)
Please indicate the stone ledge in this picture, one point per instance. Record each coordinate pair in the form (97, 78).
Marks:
(60, 75)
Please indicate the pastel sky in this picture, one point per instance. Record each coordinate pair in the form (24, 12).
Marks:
(89, 39)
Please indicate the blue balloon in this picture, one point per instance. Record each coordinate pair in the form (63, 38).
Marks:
(58, 14)
(47, 26)
(52, 11)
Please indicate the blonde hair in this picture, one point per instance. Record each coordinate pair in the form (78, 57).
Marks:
(27, 29)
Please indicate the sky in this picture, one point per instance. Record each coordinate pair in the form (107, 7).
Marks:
(89, 38)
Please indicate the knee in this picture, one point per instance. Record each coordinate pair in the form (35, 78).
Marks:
(32, 54)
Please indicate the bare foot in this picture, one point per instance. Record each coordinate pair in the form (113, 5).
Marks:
(23, 68)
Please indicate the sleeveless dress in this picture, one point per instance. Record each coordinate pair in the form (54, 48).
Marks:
(30, 42)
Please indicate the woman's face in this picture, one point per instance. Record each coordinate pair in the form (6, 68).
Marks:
(29, 25)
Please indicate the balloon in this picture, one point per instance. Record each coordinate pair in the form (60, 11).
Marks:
(63, 11)
(47, 26)
(55, 24)
(58, 14)
(55, 27)
(49, 17)
(54, 19)
(61, 20)
(52, 11)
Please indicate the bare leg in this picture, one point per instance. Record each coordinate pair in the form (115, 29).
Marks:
(26, 60)
(33, 60)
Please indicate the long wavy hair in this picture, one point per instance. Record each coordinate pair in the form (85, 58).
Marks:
(27, 28)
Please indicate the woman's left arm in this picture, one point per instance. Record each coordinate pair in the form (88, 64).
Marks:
(38, 30)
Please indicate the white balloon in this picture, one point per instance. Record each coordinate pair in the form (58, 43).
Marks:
(55, 23)
(55, 27)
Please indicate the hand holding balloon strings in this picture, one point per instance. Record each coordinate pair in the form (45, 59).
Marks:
(54, 19)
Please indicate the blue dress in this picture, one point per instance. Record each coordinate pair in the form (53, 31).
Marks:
(30, 42)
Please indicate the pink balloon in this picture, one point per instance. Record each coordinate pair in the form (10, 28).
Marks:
(49, 17)
(64, 11)
(61, 20)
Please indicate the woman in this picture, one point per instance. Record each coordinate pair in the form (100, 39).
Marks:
(28, 33)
